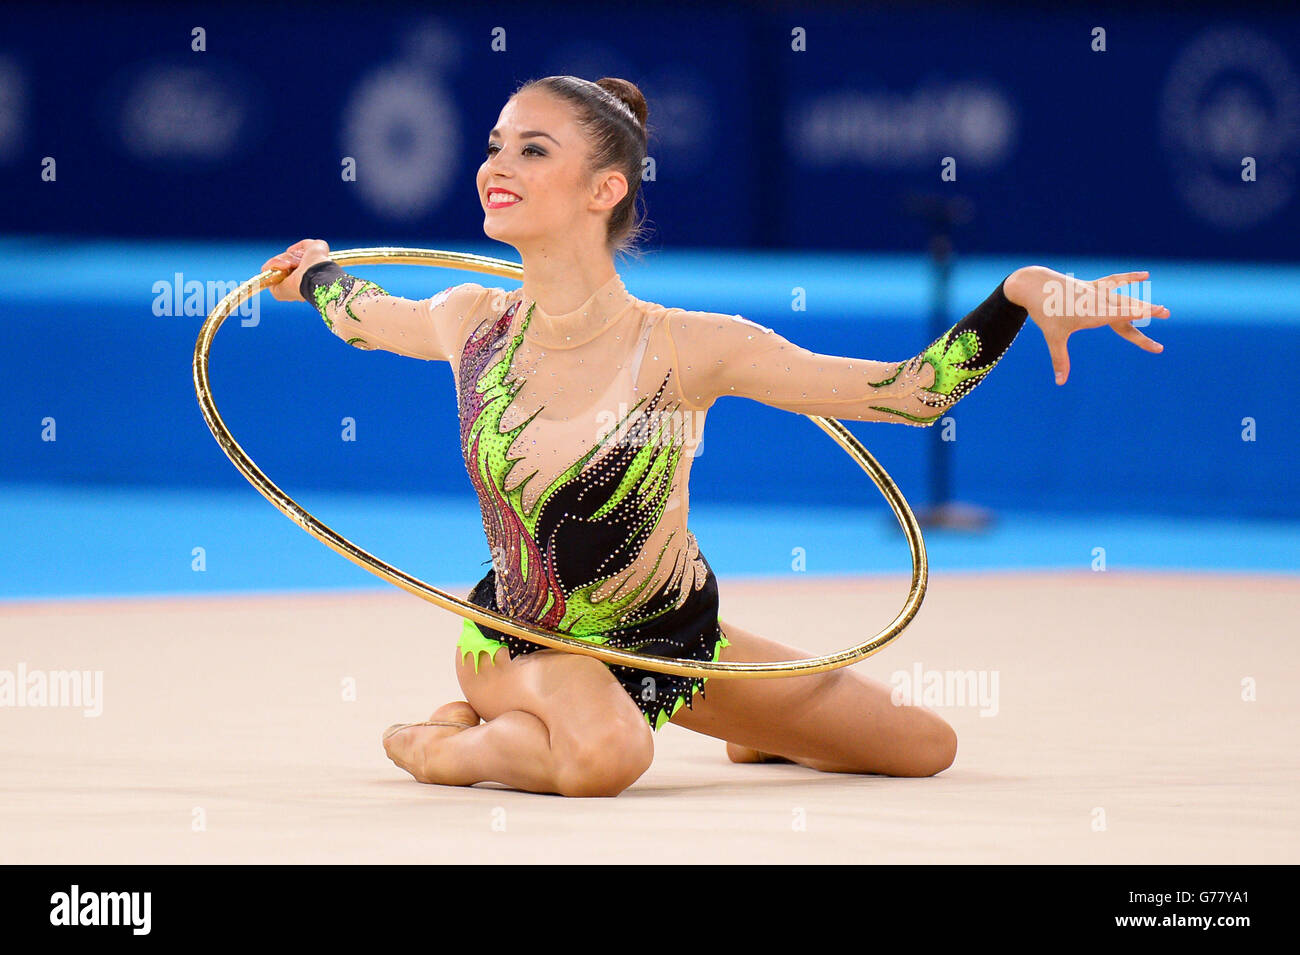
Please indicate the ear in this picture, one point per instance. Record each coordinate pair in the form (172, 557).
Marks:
(609, 188)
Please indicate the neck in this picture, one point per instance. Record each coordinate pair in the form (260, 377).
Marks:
(560, 283)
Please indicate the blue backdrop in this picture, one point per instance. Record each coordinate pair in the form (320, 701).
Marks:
(1060, 146)
(1203, 428)
(114, 130)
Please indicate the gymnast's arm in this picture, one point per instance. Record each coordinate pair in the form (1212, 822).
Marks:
(365, 316)
(719, 355)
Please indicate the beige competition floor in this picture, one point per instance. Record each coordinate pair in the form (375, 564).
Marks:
(1120, 735)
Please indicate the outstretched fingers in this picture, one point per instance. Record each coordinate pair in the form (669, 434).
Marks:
(1119, 279)
(1126, 330)
(1131, 309)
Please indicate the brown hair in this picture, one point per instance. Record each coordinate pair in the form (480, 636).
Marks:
(612, 112)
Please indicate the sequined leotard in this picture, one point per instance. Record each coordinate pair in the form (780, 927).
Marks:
(578, 432)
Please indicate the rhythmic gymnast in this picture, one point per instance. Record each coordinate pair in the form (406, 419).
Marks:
(580, 411)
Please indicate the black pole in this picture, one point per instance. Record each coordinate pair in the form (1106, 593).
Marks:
(943, 214)
(940, 450)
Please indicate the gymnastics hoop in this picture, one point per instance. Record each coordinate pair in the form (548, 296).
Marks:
(548, 638)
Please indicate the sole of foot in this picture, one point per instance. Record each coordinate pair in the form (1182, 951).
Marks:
(405, 742)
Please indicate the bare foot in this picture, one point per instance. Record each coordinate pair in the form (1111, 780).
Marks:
(407, 744)
(743, 754)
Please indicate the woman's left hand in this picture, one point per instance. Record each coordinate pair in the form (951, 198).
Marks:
(1060, 305)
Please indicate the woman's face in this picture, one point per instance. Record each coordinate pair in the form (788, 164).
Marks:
(538, 153)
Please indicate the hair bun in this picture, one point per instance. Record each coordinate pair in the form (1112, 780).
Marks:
(628, 93)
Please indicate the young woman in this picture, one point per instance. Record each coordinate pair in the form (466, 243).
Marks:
(580, 409)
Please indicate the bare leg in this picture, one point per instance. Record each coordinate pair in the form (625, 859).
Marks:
(842, 721)
(555, 723)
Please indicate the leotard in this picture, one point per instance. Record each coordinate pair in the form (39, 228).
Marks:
(578, 432)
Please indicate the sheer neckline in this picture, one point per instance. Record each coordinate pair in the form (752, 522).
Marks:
(570, 329)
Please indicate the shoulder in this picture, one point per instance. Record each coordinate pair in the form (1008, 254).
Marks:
(467, 293)
(456, 310)
(693, 323)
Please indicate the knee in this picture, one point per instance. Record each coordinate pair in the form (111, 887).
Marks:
(603, 762)
(934, 750)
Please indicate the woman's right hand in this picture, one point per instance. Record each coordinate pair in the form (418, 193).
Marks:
(1060, 305)
(295, 260)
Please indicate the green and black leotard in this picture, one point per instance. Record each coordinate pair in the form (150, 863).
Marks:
(578, 432)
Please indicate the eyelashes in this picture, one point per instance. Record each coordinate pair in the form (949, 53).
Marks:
(491, 146)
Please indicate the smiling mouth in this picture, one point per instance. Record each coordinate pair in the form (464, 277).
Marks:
(498, 199)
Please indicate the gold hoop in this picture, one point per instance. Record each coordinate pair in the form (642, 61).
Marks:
(547, 638)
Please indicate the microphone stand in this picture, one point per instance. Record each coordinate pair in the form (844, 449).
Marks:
(942, 214)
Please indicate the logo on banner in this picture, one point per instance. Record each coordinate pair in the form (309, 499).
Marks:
(402, 127)
(13, 108)
(1230, 122)
(890, 130)
(176, 112)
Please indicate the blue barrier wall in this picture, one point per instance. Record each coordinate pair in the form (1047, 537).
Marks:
(1129, 431)
(128, 159)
